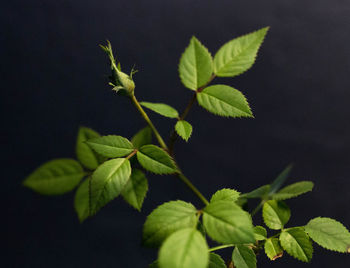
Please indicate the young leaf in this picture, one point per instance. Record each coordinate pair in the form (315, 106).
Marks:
(184, 129)
(107, 182)
(55, 177)
(161, 108)
(81, 201)
(215, 261)
(275, 214)
(196, 65)
(225, 195)
(238, 55)
(243, 257)
(86, 156)
(111, 146)
(293, 190)
(273, 249)
(185, 248)
(224, 101)
(141, 138)
(260, 233)
(281, 178)
(167, 219)
(135, 189)
(260, 192)
(156, 160)
(227, 223)
(329, 233)
(296, 242)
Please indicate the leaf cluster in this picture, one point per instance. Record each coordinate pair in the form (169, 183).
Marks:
(109, 166)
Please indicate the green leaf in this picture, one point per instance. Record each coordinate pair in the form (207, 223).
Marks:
(81, 201)
(275, 214)
(260, 192)
(224, 101)
(244, 257)
(225, 195)
(296, 242)
(185, 248)
(238, 55)
(55, 177)
(107, 182)
(227, 223)
(215, 261)
(141, 138)
(329, 233)
(111, 146)
(293, 190)
(86, 156)
(167, 219)
(184, 129)
(260, 233)
(273, 249)
(281, 178)
(196, 65)
(156, 160)
(161, 108)
(135, 189)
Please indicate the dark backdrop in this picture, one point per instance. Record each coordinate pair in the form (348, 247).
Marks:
(53, 79)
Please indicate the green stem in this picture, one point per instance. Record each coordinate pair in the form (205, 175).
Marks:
(164, 146)
(256, 210)
(174, 136)
(149, 122)
(221, 247)
(192, 187)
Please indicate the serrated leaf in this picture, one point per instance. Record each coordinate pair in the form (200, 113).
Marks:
(329, 233)
(196, 65)
(260, 192)
(275, 214)
(183, 129)
(224, 101)
(111, 146)
(281, 178)
(107, 182)
(141, 138)
(161, 108)
(81, 201)
(185, 248)
(293, 190)
(55, 177)
(167, 219)
(243, 257)
(273, 249)
(215, 261)
(136, 188)
(227, 223)
(225, 195)
(156, 160)
(297, 244)
(238, 55)
(86, 156)
(260, 233)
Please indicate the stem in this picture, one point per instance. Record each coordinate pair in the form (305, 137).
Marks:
(149, 122)
(164, 146)
(174, 136)
(221, 247)
(257, 208)
(192, 187)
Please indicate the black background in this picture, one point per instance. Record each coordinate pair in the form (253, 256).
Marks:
(53, 79)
